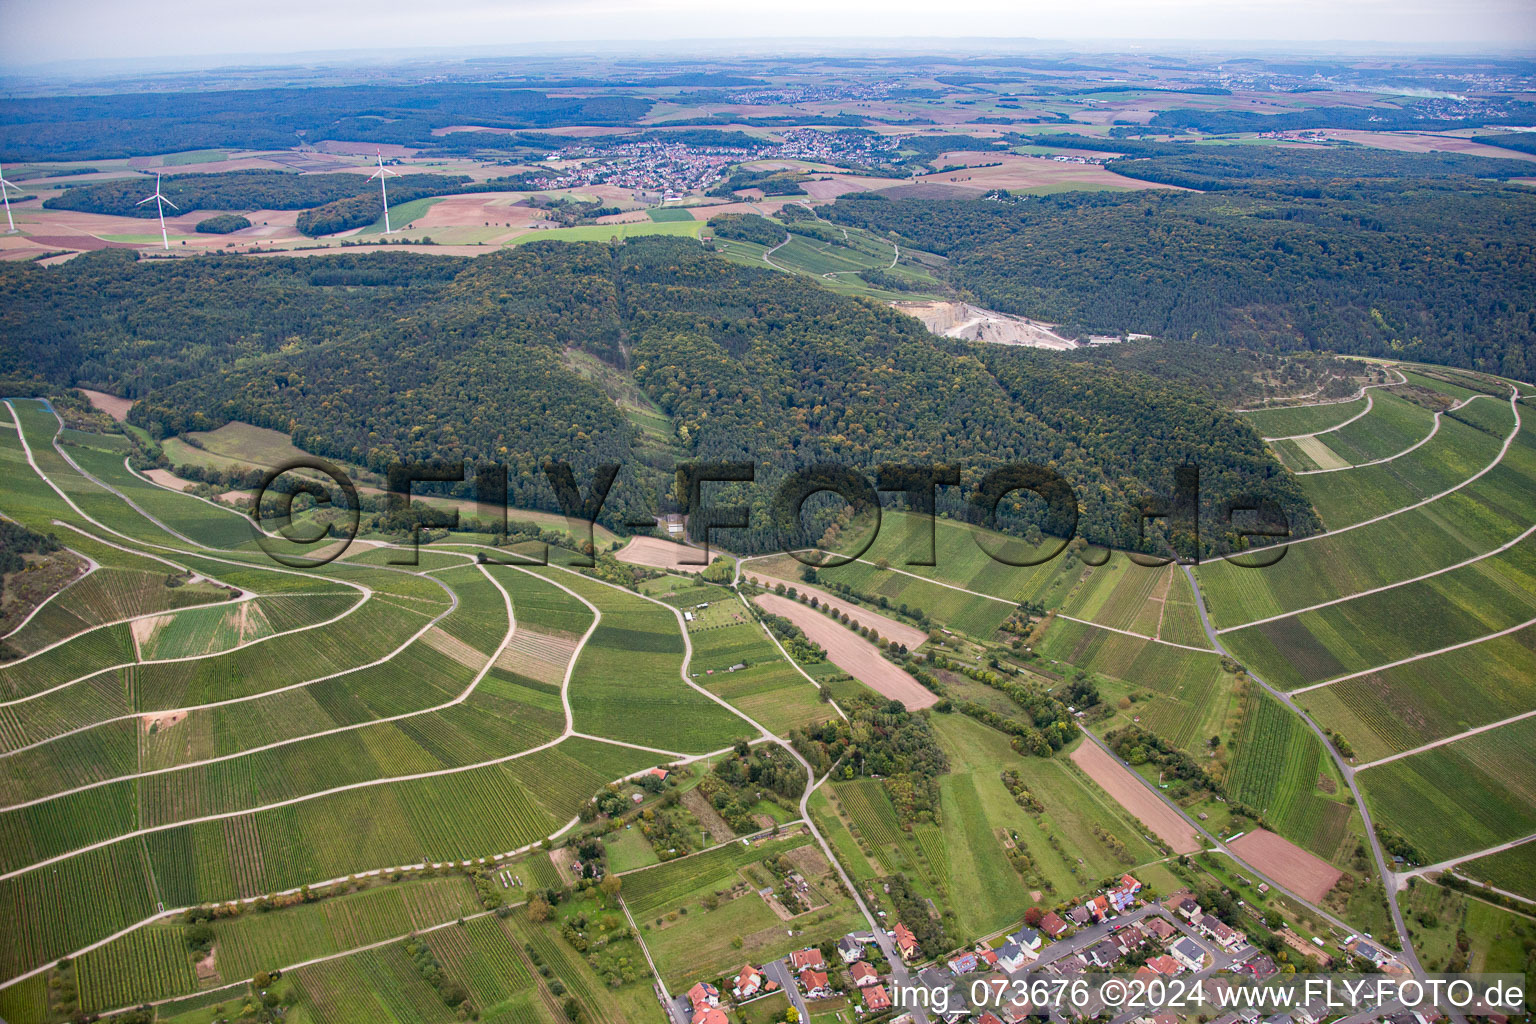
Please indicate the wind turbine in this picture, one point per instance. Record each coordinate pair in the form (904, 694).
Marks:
(382, 173)
(159, 199)
(4, 185)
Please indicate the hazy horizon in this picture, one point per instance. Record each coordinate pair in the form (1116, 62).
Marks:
(187, 34)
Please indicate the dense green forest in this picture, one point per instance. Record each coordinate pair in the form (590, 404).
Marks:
(1437, 270)
(1210, 168)
(139, 124)
(747, 227)
(222, 224)
(1420, 115)
(1521, 142)
(393, 356)
(259, 190)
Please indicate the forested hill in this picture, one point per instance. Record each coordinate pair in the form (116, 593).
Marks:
(139, 124)
(1442, 271)
(243, 190)
(399, 356)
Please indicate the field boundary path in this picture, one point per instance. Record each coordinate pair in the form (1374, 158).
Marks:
(1433, 430)
(1348, 773)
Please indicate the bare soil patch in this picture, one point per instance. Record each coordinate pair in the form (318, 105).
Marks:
(656, 553)
(165, 478)
(161, 720)
(113, 406)
(1119, 782)
(1305, 874)
(851, 652)
(887, 627)
(207, 969)
(963, 320)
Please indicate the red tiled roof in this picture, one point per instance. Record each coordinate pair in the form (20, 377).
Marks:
(803, 958)
(875, 998)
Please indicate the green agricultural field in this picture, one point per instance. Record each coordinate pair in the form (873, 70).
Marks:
(666, 214)
(401, 215)
(1472, 521)
(1280, 769)
(1397, 709)
(1461, 797)
(1303, 419)
(1513, 870)
(603, 232)
(1488, 596)
(1467, 440)
(692, 937)
(627, 683)
(194, 156)
(1181, 694)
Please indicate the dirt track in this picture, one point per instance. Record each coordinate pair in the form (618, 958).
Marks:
(851, 652)
(1305, 874)
(1118, 782)
(887, 627)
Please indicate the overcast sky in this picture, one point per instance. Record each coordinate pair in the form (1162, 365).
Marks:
(38, 31)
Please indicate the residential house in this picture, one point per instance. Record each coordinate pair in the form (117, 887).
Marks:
(1188, 952)
(1263, 967)
(1224, 936)
(1080, 916)
(1027, 938)
(1099, 908)
(815, 984)
(1165, 1018)
(703, 994)
(1102, 954)
(804, 959)
(906, 942)
(1186, 906)
(986, 958)
(1123, 895)
(989, 1018)
(1165, 965)
(1159, 928)
(850, 949)
(749, 982)
(1069, 965)
(1312, 1013)
(944, 990)
(963, 963)
(710, 1015)
(1053, 925)
(1011, 957)
(1365, 951)
(876, 999)
(864, 975)
(1130, 938)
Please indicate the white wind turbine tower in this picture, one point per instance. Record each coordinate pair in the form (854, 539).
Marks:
(159, 199)
(6, 195)
(382, 173)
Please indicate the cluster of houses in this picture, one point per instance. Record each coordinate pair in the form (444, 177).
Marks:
(1209, 925)
(678, 168)
(1180, 937)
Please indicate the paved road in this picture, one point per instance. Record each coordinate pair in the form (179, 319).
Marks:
(780, 972)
